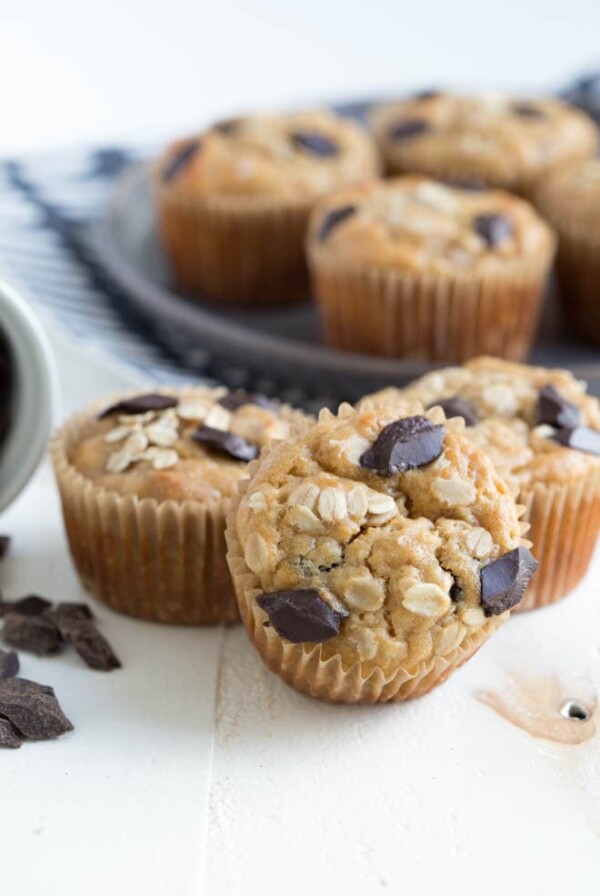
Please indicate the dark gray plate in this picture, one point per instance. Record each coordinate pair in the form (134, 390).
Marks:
(281, 344)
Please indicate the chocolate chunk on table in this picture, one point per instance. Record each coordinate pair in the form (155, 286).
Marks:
(75, 623)
(37, 634)
(9, 664)
(32, 709)
(9, 736)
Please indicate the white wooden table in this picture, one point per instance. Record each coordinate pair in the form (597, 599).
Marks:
(194, 770)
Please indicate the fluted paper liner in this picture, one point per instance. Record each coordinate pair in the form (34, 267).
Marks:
(234, 252)
(163, 561)
(304, 667)
(427, 316)
(565, 521)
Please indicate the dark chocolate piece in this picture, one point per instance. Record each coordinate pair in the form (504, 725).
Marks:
(504, 581)
(180, 160)
(552, 408)
(300, 615)
(458, 407)
(9, 736)
(332, 219)
(494, 228)
(580, 438)
(238, 398)
(227, 443)
(227, 126)
(468, 185)
(75, 624)
(409, 128)
(32, 605)
(37, 634)
(140, 404)
(456, 592)
(316, 144)
(527, 110)
(32, 708)
(404, 445)
(4, 545)
(9, 664)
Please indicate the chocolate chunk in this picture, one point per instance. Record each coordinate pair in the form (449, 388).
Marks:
(466, 184)
(456, 592)
(408, 128)
(332, 219)
(316, 144)
(580, 438)
(37, 634)
(9, 736)
(527, 110)
(234, 400)
(227, 126)
(552, 408)
(32, 605)
(227, 443)
(427, 94)
(494, 228)
(458, 407)
(9, 664)
(75, 624)
(4, 545)
(503, 581)
(300, 615)
(140, 404)
(32, 708)
(180, 160)
(404, 445)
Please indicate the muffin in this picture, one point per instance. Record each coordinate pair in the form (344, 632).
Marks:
(415, 268)
(145, 484)
(542, 433)
(233, 203)
(375, 553)
(487, 139)
(570, 201)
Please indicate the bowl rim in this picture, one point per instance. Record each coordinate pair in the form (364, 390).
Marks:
(36, 388)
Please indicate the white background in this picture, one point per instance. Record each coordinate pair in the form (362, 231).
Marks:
(75, 70)
(194, 770)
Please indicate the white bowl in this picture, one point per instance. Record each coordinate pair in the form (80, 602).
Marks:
(33, 394)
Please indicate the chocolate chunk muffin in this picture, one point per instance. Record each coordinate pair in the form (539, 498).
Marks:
(542, 433)
(415, 268)
(570, 201)
(233, 202)
(488, 139)
(145, 484)
(375, 553)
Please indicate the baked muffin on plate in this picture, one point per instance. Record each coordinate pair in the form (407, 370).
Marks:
(414, 268)
(570, 201)
(542, 433)
(375, 553)
(233, 202)
(145, 483)
(489, 138)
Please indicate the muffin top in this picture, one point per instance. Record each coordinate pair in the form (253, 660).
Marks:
(371, 533)
(504, 141)
(187, 444)
(537, 425)
(415, 224)
(296, 157)
(571, 197)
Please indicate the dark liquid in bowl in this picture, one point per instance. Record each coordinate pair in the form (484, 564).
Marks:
(5, 389)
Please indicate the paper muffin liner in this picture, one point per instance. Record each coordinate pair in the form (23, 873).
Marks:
(308, 669)
(428, 316)
(565, 522)
(162, 561)
(578, 271)
(225, 250)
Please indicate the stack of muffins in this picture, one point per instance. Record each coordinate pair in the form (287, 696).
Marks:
(371, 552)
(444, 259)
